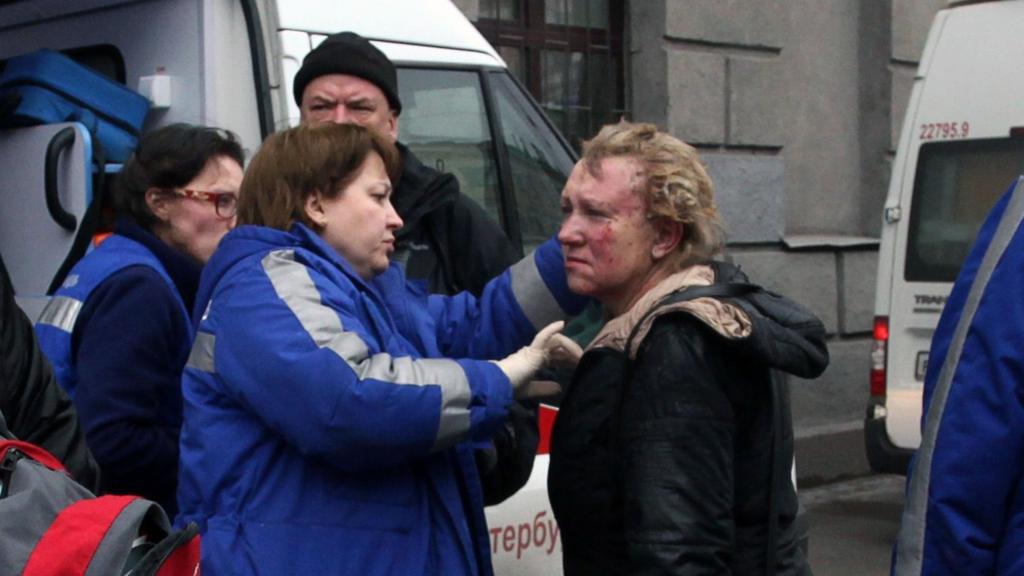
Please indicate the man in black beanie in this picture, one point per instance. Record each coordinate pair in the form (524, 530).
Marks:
(447, 239)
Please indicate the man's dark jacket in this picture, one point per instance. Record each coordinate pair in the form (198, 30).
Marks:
(665, 464)
(34, 408)
(448, 241)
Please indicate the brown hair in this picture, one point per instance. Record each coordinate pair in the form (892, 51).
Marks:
(294, 163)
(675, 184)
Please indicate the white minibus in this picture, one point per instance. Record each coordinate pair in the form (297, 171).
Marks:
(961, 147)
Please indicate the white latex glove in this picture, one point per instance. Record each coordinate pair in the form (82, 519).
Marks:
(563, 351)
(521, 365)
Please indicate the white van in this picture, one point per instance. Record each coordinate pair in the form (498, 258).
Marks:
(961, 147)
(230, 63)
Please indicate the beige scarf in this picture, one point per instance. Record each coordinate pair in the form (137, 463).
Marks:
(728, 320)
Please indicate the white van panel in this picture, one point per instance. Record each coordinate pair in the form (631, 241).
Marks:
(201, 44)
(973, 80)
(411, 54)
(904, 431)
(32, 243)
(295, 44)
(178, 33)
(427, 22)
(228, 91)
(969, 84)
(523, 534)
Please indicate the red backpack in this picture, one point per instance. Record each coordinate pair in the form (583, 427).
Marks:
(50, 525)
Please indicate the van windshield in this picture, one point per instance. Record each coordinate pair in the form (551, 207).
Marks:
(955, 186)
(444, 122)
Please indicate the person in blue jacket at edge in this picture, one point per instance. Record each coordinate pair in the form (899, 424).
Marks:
(331, 408)
(964, 511)
(118, 332)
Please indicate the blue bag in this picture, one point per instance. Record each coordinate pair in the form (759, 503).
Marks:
(54, 88)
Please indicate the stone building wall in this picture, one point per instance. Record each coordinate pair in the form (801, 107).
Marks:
(796, 107)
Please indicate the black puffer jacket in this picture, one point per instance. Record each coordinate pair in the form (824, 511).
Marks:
(664, 465)
(34, 408)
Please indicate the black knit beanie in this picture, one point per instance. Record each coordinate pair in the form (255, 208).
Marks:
(349, 53)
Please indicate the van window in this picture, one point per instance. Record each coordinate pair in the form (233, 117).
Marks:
(444, 122)
(539, 163)
(955, 186)
(104, 58)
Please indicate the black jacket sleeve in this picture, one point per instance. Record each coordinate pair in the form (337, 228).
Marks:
(35, 408)
(480, 250)
(678, 438)
(506, 467)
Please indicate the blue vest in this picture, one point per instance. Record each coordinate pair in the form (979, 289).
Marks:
(57, 321)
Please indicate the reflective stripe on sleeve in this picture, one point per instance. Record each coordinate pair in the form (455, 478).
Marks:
(295, 287)
(532, 294)
(201, 356)
(61, 312)
(293, 284)
(910, 543)
(455, 392)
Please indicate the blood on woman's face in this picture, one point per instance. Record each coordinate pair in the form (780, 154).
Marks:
(607, 239)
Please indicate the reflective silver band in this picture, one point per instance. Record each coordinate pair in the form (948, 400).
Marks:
(201, 356)
(295, 287)
(61, 312)
(532, 294)
(455, 392)
(910, 548)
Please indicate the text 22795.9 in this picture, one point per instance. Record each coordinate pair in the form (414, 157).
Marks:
(944, 130)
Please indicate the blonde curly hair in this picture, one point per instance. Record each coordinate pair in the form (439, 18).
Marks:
(674, 183)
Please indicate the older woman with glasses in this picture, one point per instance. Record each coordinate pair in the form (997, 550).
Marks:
(119, 331)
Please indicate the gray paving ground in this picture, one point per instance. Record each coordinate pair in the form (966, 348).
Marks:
(853, 524)
(832, 453)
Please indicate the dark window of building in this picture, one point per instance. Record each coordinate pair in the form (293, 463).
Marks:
(568, 53)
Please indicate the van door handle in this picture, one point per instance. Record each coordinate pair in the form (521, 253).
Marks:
(61, 140)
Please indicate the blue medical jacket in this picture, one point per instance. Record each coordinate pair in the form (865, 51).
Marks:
(327, 429)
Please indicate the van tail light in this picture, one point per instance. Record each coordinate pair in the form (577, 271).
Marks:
(879, 351)
(1017, 132)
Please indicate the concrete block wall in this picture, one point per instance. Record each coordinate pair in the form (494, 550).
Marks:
(760, 78)
(796, 107)
(839, 287)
